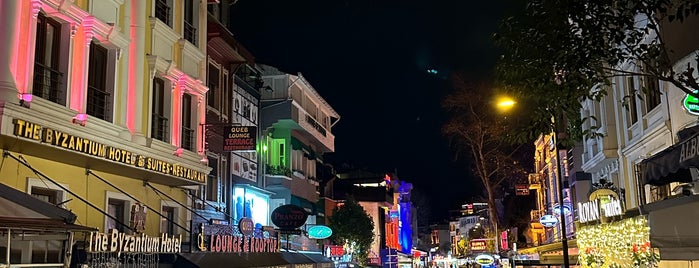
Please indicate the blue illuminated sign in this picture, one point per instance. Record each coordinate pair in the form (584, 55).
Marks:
(319, 232)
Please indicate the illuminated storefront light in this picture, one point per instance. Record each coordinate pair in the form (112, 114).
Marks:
(251, 203)
(624, 243)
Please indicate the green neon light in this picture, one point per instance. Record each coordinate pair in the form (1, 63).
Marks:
(691, 104)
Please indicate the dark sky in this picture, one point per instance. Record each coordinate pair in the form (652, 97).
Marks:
(369, 60)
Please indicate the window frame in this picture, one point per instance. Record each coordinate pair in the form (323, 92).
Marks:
(186, 122)
(62, 195)
(126, 213)
(160, 109)
(107, 82)
(58, 64)
(632, 106)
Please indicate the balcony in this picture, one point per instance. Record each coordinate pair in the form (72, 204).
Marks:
(190, 32)
(162, 11)
(535, 215)
(159, 129)
(187, 138)
(47, 82)
(289, 114)
(97, 102)
(535, 181)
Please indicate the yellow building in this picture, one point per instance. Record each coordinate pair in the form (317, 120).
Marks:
(102, 103)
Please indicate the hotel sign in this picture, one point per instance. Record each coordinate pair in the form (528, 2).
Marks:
(89, 147)
(121, 242)
(605, 204)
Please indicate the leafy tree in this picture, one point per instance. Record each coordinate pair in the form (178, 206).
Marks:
(352, 226)
(559, 52)
(479, 133)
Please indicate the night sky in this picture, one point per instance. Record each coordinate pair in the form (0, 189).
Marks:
(369, 59)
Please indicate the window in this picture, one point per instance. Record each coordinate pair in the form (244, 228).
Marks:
(167, 224)
(159, 129)
(162, 11)
(187, 129)
(212, 181)
(47, 191)
(47, 76)
(98, 96)
(212, 96)
(631, 105)
(225, 95)
(190, 31)
(116, 209)
(45, 194)
(652, 92)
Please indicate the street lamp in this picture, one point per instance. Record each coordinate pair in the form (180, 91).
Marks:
(505, 103)
(559, 179)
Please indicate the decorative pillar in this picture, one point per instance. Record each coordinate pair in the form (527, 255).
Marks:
(176, 125)
(138, 88)
(27, 40)
(81, 62)
(9, 11)
(200, 127)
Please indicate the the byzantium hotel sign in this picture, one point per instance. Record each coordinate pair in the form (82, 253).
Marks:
(115, 241)
(90, 147)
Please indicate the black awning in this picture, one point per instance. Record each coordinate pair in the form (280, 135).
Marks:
(672, 164)
(322, 261)
(246, 260)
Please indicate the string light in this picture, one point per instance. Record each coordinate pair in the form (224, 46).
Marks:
(611, 244)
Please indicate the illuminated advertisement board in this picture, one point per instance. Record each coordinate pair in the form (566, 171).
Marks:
(250, 203)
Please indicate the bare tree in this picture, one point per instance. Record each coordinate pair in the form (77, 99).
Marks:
(478, 133)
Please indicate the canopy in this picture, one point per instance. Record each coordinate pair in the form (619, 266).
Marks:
(672, 164)
(249, 260)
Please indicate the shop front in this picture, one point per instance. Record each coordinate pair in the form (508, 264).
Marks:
(130, 196)
(247, 243)
(33, 232)
(609, 236)
(670, 179)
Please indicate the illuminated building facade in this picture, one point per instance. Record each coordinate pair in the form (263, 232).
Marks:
(234, 188)
(296, 130)
(101, 107)
(649, 151)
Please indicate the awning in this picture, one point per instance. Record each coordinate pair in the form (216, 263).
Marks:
(677, 239)
(21, 211)
(672, 164)
(321, 260)
(249, 260)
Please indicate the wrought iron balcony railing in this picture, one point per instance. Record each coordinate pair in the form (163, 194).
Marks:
(47, 82)
(190, 32)
(162, 11)
(97, 102)
(187, 138)
(159, 128)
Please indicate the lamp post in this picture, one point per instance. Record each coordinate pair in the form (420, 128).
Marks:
(559, 180)
(506, 103)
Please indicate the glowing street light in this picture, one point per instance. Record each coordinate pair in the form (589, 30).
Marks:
(505, 103)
